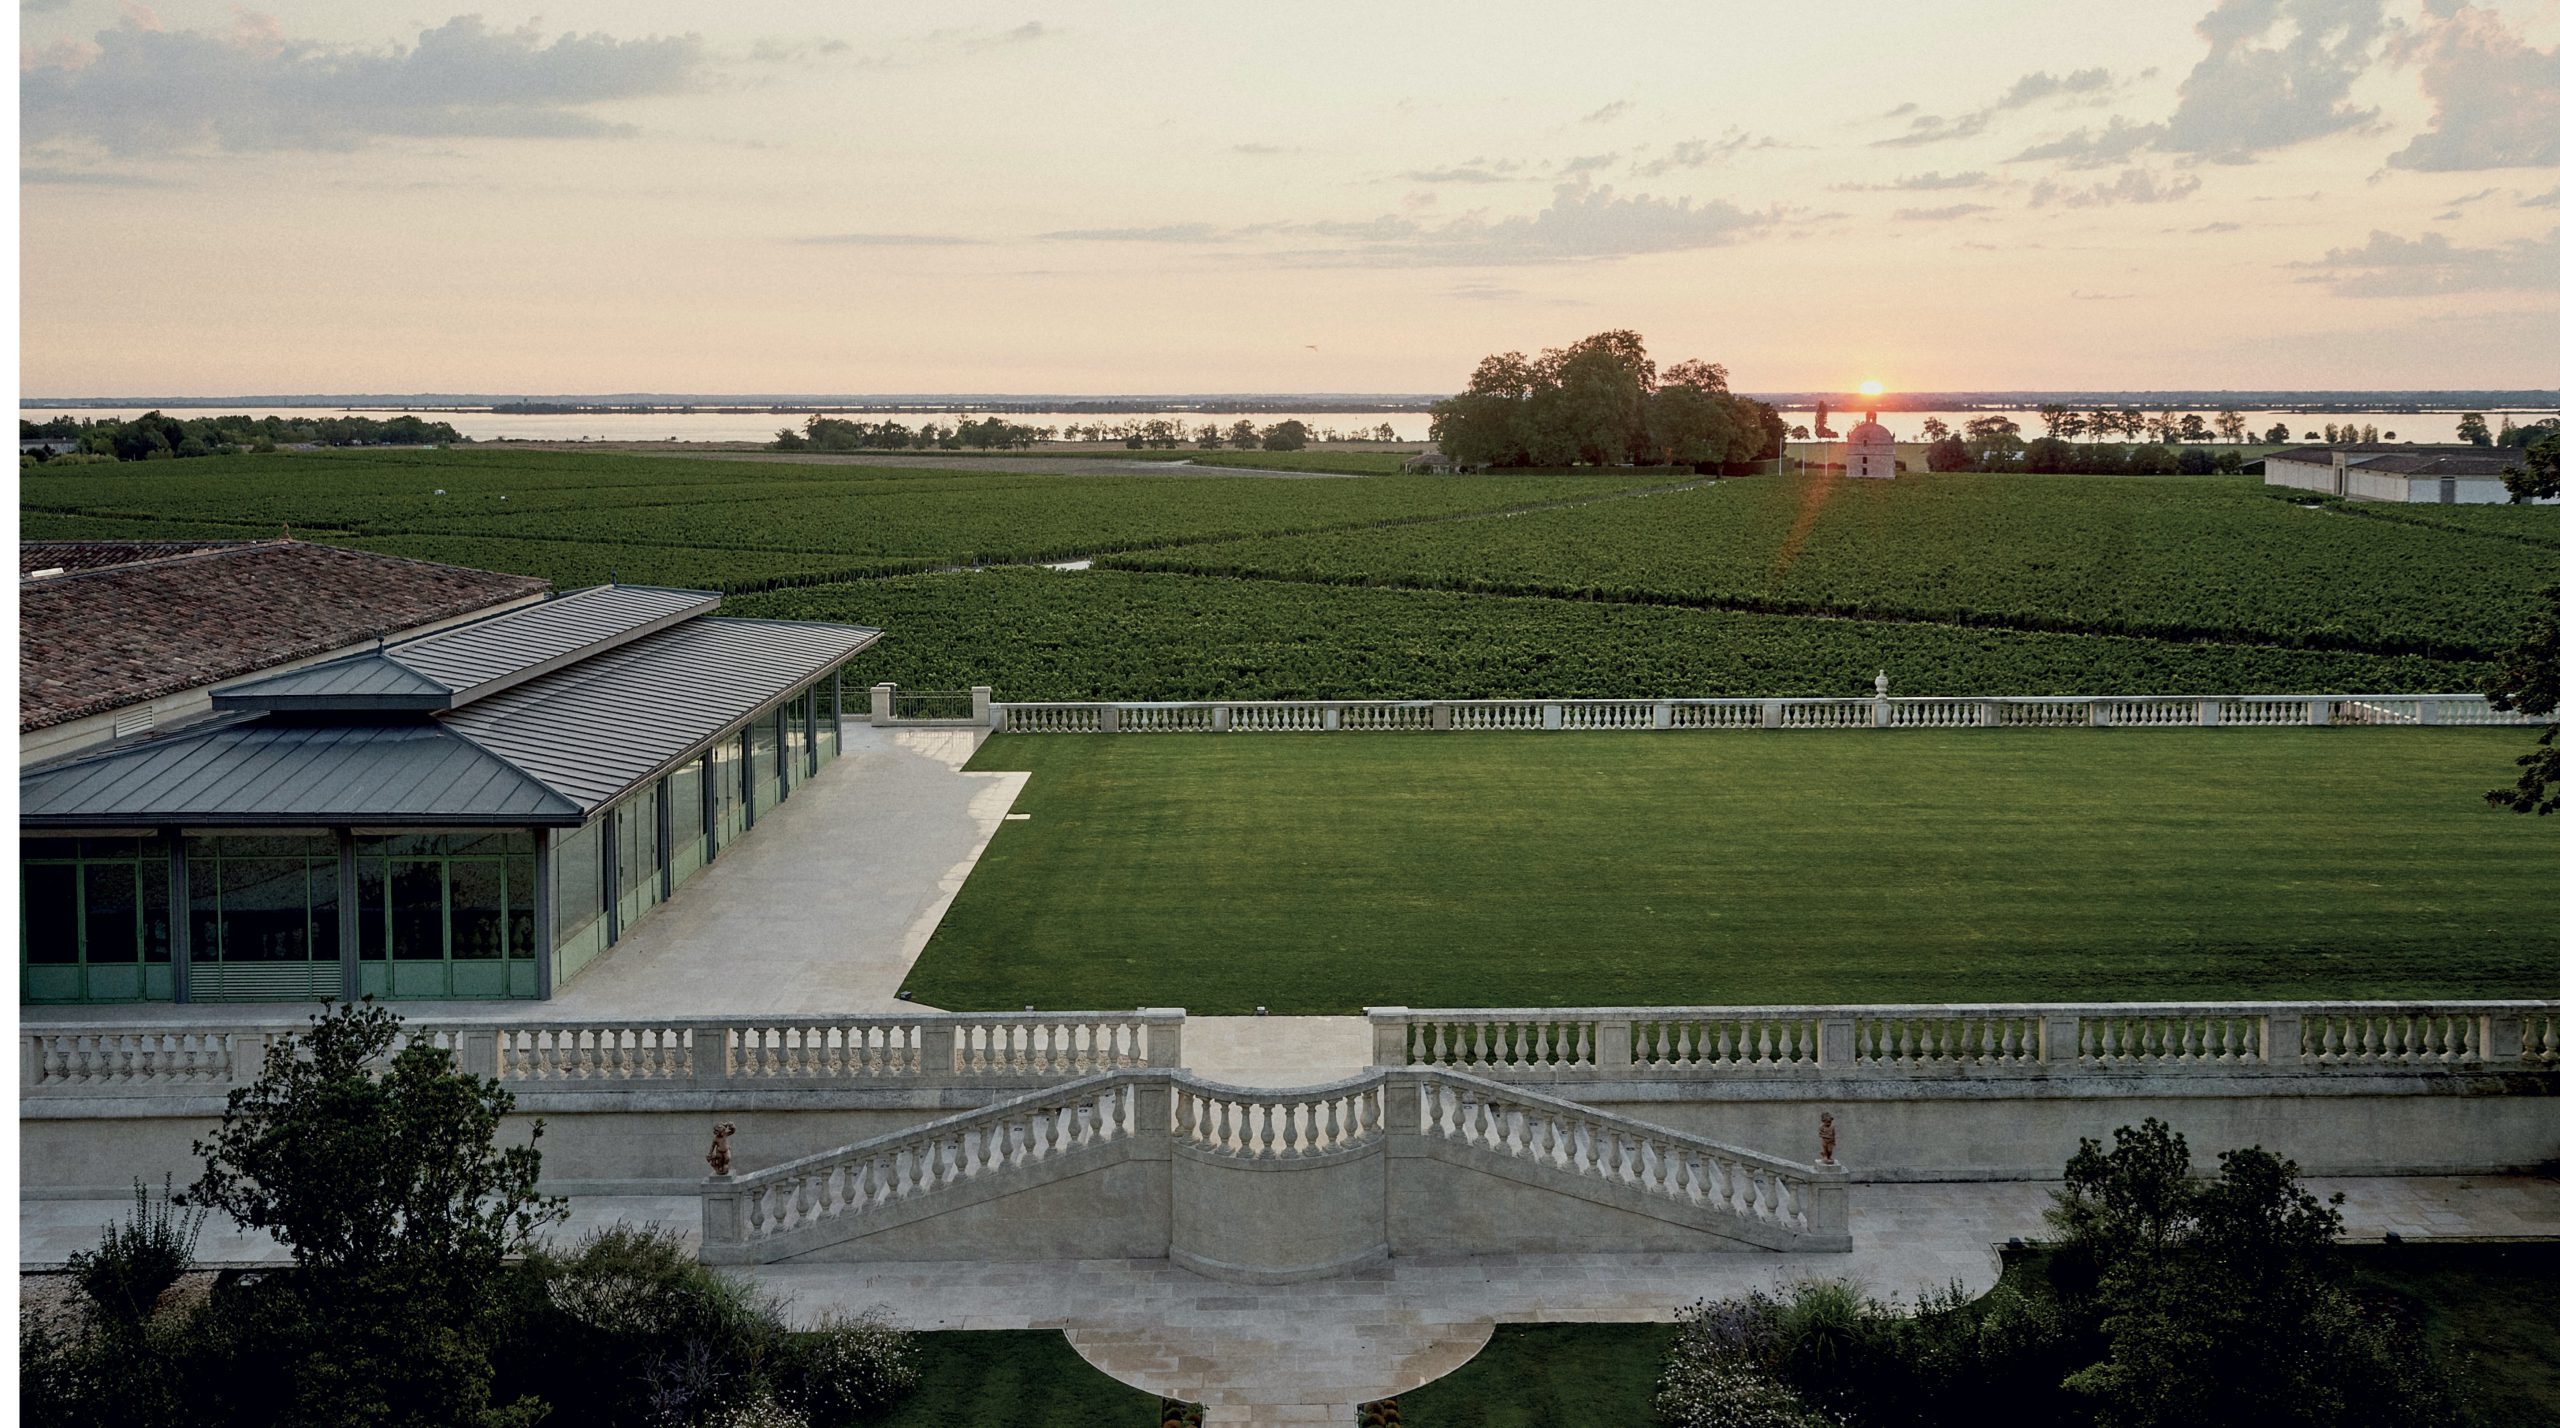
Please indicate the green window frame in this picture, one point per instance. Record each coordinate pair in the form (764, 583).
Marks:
(252, 934)
(446, 915)
(94, 920)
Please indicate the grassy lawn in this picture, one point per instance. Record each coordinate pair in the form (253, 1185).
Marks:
(1000, 1378)
(1320, 874)
(2492, 1311)
(1547, 1376)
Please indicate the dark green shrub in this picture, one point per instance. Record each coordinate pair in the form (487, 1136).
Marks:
(628, 1327)
(136, 1262)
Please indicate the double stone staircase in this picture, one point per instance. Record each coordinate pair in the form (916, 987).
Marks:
(1272, 1185)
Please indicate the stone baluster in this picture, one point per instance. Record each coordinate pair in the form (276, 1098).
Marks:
(2059, 1038)
(2501, 1038)
(1836, 1044)
(710, 1059)
(1164, 1038)
(1387, 1036)
(476, 1051)
(2280, 1040)
(248, 1055)
(938, 1051)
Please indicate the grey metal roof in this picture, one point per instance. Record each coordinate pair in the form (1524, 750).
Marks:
(597, 728)
(359, 682)
(545, 750)
(245, 770)
(478, 659)
(452, 668)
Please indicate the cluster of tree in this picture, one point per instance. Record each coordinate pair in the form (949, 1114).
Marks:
(837, 434)
(155, 437)
(418, 1296)
(994, 433)
(2002, 450)
(1600, 402)
(2474, 428)
(1165, 434)
(2170, 1300)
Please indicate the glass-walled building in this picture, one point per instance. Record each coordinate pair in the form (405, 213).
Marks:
(478, 813)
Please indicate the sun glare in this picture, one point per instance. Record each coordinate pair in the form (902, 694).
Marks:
(1871, 388)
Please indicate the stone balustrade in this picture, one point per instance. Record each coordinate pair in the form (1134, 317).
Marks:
(892, 1179)
(62, 1060)
(1264, 1185)
(1643, 1043)
(1615, 1150)
(2023, 711)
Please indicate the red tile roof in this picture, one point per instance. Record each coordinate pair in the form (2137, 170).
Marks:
(176, 615)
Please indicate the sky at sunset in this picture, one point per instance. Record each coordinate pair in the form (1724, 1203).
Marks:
(776, 196)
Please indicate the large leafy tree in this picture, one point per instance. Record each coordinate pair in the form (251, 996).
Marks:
(1601, 401)
(2528, 675)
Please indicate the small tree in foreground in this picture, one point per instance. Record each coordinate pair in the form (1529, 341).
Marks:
(2223, 1301)
(380, 1169)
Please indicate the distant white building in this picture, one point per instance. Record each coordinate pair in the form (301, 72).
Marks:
(2423, 475)
(1871, 450)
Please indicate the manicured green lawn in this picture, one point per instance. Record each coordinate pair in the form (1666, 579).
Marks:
(1549, 1376)
(1316, 873)
(1001, 1378)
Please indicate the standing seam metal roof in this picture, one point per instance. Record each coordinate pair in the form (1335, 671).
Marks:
(551, 750)
(451, 668)
(262, 771)
(595, 729)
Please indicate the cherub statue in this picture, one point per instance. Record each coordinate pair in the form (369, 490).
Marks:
(718, 1159)
(1830, 1138)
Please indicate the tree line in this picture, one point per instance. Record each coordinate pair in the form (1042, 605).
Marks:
(994, 434)
(2474, 428)
(155, 437)
(1602, 402)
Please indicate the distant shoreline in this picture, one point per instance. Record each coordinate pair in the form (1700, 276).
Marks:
(2487, 402)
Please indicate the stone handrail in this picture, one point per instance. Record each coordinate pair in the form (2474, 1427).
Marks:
(1637, 1043)
(1278, 1125)
(2130, 711)
(751, 1216)
(1034, 1138)
(1791, 1198)
(739, 1053)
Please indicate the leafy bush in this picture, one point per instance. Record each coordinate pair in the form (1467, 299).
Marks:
(628, 1327)
(2223, 1301)
(848, 1368)
(136, 1262)
(1715, 1376)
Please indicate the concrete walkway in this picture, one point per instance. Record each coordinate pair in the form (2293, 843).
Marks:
(1309, 1352)
(826, 904)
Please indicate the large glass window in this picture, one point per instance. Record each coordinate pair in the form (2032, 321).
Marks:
(446, 914)
(577, 875)
(93, 919)
(728, 796)
(635, 855)
(765, 750)
(827, 693)
(795, 739)
(262, 917)
(684, 821)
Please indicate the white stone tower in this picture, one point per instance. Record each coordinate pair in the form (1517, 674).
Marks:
(1871, 450)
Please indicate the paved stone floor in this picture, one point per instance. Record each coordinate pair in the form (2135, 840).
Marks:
(1275, 1050)
(1308, 1352)
(822, 908)
(825, 906)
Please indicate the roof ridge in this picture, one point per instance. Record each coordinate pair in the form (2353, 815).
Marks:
(205, 550)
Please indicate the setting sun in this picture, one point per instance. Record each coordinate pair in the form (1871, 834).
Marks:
(1871, 388)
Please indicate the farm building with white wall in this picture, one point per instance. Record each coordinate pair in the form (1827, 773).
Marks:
(2425, 475)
